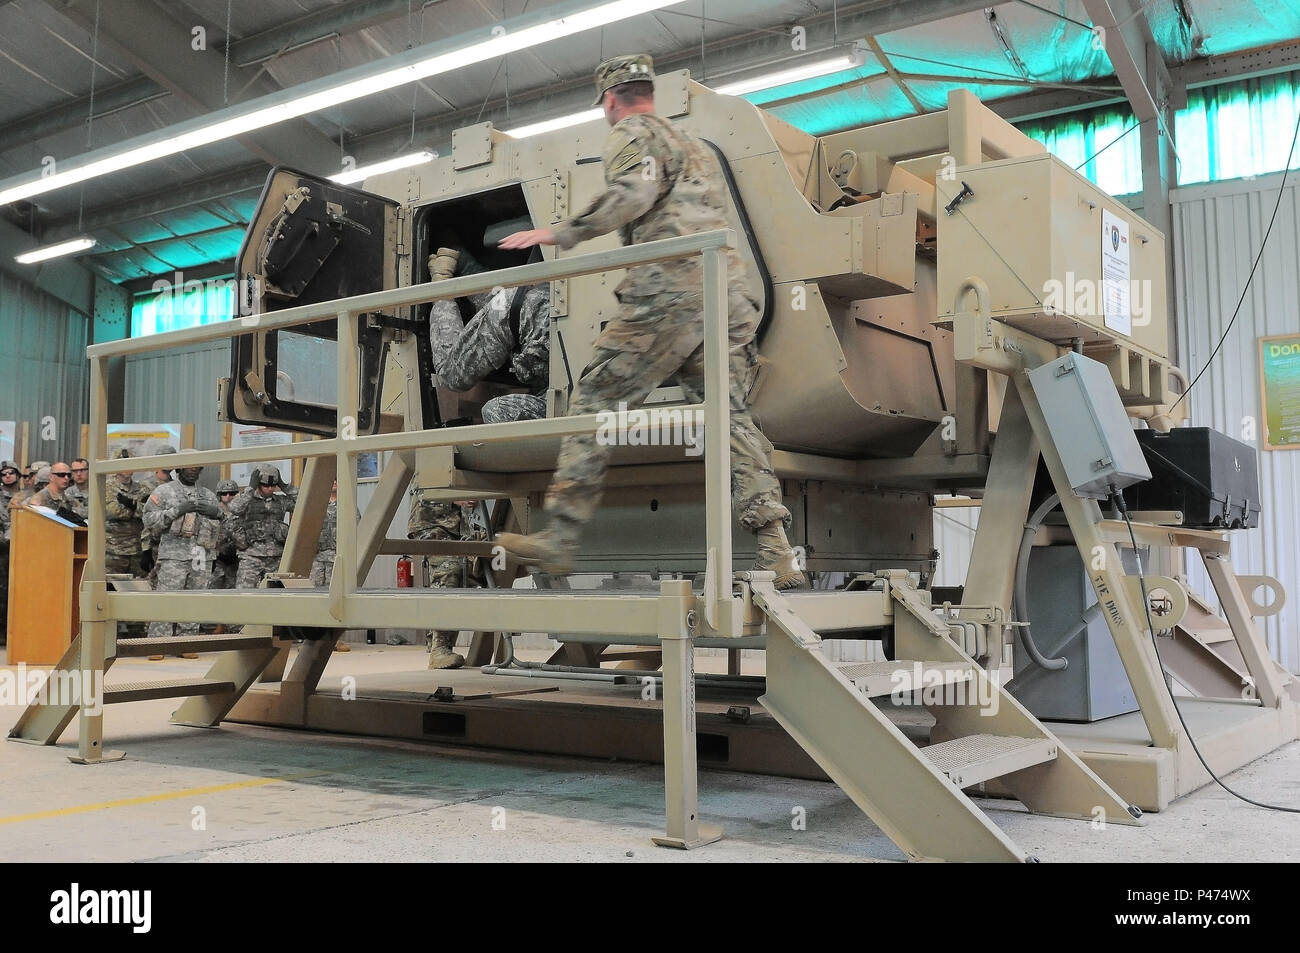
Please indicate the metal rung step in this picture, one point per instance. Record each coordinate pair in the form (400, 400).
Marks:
(876, 679)
(977, 758)
(174, 688)
(175, 645)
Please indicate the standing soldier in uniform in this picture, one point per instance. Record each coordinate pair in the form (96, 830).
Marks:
(258, 527)
(226, 564)
(76, 493)
(661, 182)
(144, 489)
(440, 519)
(123, 524)
(8, 487)
(187, 519)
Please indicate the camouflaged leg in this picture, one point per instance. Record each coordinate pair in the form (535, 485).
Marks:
(252, 569)
(649, 339)
(755, 490)
(322, 568)
(511, 407)
(171, 576)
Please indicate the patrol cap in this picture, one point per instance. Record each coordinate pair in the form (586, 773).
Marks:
(631, 68)
(227, 486)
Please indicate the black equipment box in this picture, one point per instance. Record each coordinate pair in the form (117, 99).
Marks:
(1211, 478)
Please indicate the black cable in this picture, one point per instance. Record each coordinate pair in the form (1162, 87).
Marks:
(1262, 245)
(1118, 499)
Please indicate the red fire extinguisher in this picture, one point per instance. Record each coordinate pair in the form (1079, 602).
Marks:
(405, 578)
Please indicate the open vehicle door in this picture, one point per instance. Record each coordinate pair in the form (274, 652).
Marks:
(310, 240)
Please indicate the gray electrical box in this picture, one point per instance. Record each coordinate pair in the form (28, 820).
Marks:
(1089, 425)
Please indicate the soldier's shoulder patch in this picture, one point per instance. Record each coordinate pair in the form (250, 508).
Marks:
(153, 498)
(623, 153)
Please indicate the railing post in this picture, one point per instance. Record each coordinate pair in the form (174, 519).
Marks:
(717, 443)
(95, 627)
(344, 580)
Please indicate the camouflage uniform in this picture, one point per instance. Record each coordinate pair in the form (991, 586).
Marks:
(123, 525)
(258, 528)
(322, 564)
(6, 497)
(466, 352)
(662, 183)
(225, 566)
(440, 519)
(186, 545)
(77, 500)
(148, 538)
(44, 497)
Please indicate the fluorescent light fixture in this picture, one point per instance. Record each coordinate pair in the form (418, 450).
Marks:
(362, 172)
(793, 75)
(417, 64)
(55, 251)
(560, 122)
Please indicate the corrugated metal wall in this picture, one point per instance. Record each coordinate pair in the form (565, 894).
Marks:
(1218, 229)
(43, 368)
(178, 386)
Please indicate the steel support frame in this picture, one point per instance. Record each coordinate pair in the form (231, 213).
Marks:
(346, 605)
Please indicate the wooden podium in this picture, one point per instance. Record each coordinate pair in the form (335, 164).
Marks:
(46, 559)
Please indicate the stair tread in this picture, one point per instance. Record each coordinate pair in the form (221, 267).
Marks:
(167, 688)
(975, 758)
(876, 679)
(218, 642)
(852, 670)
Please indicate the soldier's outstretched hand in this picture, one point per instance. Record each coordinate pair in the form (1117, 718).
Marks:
(528, 238)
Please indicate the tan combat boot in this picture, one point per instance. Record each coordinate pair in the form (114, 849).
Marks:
(444, 654)
(553, 553)
(443, 264)
(776, 555)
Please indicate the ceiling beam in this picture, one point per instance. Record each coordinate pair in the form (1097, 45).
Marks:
(1133, 53)
(250, 178)
(74, 112)
(337, 20)
(147, 34)
(1260, 61)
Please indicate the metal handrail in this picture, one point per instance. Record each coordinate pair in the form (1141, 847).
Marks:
(712, 246)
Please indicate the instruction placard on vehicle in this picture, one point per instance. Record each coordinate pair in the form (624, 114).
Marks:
(1115, 273)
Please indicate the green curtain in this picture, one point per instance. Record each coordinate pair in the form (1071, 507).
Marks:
(1228, 131)
(1238, 129)
(1102, 144)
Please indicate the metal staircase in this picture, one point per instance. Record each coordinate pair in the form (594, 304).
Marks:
(242, 657)
(916, 795)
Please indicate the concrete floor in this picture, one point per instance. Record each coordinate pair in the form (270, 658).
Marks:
(245, 793)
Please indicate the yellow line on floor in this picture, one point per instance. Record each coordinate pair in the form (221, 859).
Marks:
(152, 798)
